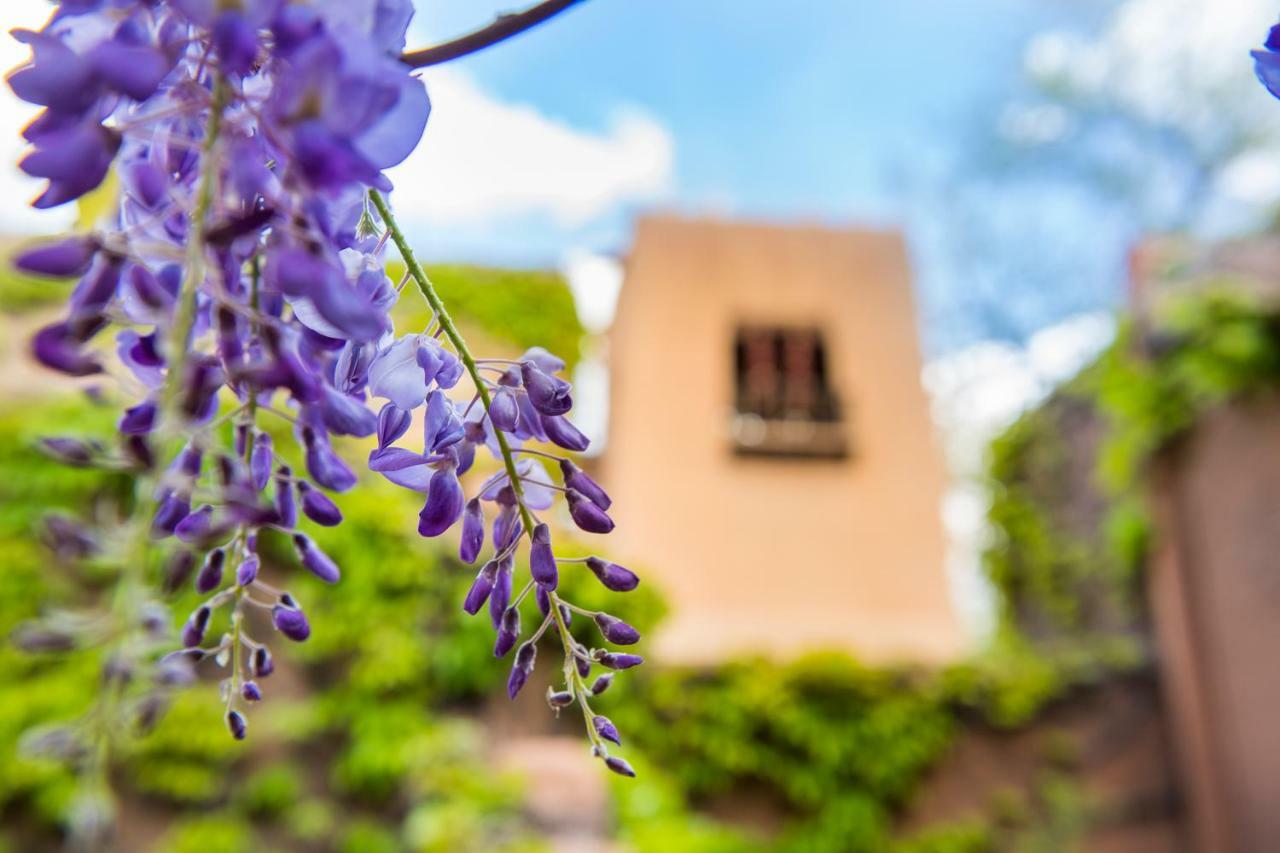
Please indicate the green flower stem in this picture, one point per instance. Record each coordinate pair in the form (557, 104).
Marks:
(455, 338)
(508, 458)
(184, 319)
(103, 717)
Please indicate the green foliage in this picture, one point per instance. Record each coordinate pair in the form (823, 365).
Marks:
(37, 690)
(836, 744)
(20, 293)
(1201, 351)
(213, 833)
(187, 758)
(653, 815)
(269, 792)
(373, 732)
(972, 836)
(513, 309)
(369, 739)
(803, 729)
(1208, 349)
(1054, 576)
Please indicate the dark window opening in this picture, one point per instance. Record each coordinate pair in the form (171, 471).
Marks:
(784, 404)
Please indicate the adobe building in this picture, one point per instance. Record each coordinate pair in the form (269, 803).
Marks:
(770, 449)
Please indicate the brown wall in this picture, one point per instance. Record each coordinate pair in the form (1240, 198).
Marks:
(1092, 773)
(1215, 591)
(767, 554)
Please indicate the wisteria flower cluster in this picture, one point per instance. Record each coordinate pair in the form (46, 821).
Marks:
(242, 272)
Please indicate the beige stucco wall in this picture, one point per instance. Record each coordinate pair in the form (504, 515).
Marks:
(765, 554)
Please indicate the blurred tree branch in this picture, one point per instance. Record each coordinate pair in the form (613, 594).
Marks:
(503, 27)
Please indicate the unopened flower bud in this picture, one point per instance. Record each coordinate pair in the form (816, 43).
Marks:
(173, 508)
(247, 571)
(575, 478)
(501, 595)
(504, 411)
(559, 698)
(393, 422)
(237, 725)
(612, 575)
(318, 507)
(601, 684)
(561, 432)
(508, 633)
(196, 526)
(285, 506)
(606, 729)
(139, 420)
(70, 451)
(40, 637)
(69, 539)
(472, 531)
(260, 460)
(149, 711)
(618, 660)
(260, 662)
(210, 576)
(251, 692)
(291, 622)
(63, 259)
(138, 452)
(542, 561)
(616, 631)
(586, 514)
(325, 466)
(153, 617)
(444, 502)
(177, 569)
(197, 623)
(191, 461)
(619, 766)
(480, 588)
(526, 655)
(314, 560)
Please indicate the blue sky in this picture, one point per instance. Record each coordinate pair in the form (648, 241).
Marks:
(547, 146)
(794, 113)
(816, 112)
(833, 111)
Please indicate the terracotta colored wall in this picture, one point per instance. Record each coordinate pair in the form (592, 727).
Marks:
(1215, 589)
(767, 554)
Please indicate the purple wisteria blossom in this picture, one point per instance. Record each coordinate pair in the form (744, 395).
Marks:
(1266, 62)
(241, 276)
(516, 406)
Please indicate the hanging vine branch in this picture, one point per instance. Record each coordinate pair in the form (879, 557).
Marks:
(503, 28)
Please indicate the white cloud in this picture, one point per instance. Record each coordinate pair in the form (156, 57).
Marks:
(596, 281)
(1183, 64)
(16, 188)
(483, 159)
